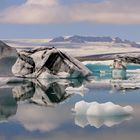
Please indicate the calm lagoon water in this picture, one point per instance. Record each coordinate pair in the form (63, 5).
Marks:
(41, 110)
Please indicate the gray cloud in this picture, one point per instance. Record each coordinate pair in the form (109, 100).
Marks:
(46, 11)
(40, 118)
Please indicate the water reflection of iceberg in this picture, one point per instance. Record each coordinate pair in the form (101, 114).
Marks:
(40, 92)
(8, 106)
(125, 84)
(99, 114)
(44, 92)
(97, 122)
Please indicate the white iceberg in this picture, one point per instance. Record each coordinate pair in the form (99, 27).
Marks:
(103, 109)
(77, 90)
(97, 114)
(108, 109)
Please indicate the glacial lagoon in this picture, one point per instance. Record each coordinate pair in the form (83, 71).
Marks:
(42, 109)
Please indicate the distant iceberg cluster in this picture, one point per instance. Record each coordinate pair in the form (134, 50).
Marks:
(97, 114)
(105, 62)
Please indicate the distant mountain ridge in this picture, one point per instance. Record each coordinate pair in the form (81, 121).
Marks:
(84, 39)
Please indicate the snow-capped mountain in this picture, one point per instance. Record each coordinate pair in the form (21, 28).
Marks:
(79, 45)
(85, 39)
(82, 39)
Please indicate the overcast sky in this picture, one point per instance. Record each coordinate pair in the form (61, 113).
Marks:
(51, 18)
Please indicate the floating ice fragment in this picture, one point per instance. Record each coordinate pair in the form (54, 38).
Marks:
(126, 84)
(97, 114)
(104, 109)
(77, 90)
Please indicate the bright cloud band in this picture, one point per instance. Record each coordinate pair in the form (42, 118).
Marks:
(52, 11)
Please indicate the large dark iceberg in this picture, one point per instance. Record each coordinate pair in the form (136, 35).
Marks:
(6, 50)
(48, 62)
(8, 56)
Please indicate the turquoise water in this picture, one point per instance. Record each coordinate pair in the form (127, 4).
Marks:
(96, 68)
(101, 71)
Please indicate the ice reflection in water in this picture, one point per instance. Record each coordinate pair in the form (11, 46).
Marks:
(40, 92)
(30, 102)
(47, 93)
(83, 120)
(8, 106)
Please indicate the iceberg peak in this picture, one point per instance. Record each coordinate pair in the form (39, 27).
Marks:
(49, 62)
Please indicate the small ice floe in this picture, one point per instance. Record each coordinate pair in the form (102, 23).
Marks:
(126, 84)
(96, 114)
(104, 109)
(132, 82)
(77, 90)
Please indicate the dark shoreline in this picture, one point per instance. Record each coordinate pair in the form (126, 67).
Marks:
(108, 56)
